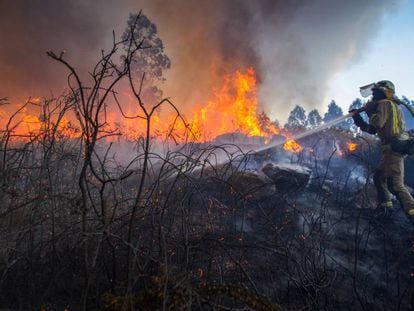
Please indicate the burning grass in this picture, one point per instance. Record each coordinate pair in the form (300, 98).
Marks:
(233, 109)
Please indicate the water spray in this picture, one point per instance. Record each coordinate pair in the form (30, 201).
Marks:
(317, 129)
(307, 133)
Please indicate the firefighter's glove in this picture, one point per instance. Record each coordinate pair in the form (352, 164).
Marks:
(358, 119)
(362, 124)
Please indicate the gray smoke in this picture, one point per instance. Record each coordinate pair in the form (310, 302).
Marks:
(295, 46)
(321, 38)
(29, 28)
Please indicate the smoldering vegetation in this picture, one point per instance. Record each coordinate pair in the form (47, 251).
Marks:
(186, 229)
(90, 224)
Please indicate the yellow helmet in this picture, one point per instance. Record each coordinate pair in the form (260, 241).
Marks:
(385, 86)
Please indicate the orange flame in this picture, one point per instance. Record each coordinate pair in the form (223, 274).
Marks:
(35, 100)
(292, 146)
(352, 146)
(233, 108)
(30, 126)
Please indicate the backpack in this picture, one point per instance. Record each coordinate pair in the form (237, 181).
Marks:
(403, 146)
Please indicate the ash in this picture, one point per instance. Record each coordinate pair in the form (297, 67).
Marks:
(204, 222)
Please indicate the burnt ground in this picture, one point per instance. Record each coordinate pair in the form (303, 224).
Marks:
(266, 231)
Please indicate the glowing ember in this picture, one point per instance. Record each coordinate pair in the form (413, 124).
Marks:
(293, 146)
(352, 146)
(200, 273)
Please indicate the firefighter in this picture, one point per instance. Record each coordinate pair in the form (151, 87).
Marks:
(386, 121)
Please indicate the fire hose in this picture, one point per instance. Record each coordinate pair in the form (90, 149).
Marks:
(403, 146)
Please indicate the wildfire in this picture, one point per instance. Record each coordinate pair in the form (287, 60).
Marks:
(293, 146)
(32, 126)
(352, 146)
(233, 108)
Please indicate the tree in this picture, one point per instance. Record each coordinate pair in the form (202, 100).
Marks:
(356, 104)
(314, 118)
(276, 123)
(148, 65)
(266, 125)
(409, 120)
(297, 118)
(88, 100)
(334, 112)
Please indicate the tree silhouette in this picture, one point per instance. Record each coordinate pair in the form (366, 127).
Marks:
(409, 120)
(148, 66)
(297, 118)
(314, 118)
(334, 112)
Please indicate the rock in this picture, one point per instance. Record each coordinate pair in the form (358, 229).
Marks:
(287, 176)
(251, 185)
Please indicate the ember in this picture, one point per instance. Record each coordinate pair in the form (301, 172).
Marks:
(293, 146)
(352, 146)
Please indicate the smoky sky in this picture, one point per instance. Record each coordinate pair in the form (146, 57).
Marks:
(295, 46)
(29, 28)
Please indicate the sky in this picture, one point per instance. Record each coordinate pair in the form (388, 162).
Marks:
(388, 57)
(304, 52)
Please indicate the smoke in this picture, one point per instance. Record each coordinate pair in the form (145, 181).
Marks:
(29, 28)
(296, 46)
(321, 38)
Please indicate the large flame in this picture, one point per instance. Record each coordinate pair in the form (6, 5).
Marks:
(232, 108)
(31, 126)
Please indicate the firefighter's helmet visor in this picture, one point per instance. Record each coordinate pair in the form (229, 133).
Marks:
(366, 90)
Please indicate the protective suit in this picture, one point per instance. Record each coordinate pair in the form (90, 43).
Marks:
(386, 120)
